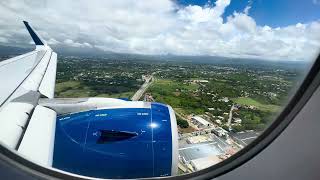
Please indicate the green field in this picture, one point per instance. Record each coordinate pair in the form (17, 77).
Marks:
(177, 94)
(251, 102)
(74, 89)
(170, 85)
(71, 89)
(118, 95)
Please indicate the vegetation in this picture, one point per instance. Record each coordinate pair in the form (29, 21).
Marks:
(72, 89)
(177, 94)
(197, 87)
(76, 89)
(81, 77)
(182, 123)
(251, 102)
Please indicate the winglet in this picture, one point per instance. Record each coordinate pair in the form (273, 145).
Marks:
(36, 38)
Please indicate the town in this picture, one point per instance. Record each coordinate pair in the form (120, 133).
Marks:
(221, 106)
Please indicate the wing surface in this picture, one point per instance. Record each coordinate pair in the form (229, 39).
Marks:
(24, 125)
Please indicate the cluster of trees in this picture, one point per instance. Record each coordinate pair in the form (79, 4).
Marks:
(182, 123)
(118, 85)
(253, 120)
(100, 76)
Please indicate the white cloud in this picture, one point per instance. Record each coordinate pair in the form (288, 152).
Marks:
(71, 43)
(3, 40)
(53, 42)
(156, 27)
(248, 7)
(242, 23)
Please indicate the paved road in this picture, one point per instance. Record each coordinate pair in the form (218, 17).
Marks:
(142, 89)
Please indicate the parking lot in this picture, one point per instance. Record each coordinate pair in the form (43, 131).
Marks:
(244, 138)
(195, 151)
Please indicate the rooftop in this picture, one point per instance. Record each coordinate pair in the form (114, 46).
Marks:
(205, 162)
(201, 120)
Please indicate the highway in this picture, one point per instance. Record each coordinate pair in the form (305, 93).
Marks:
(142, 89)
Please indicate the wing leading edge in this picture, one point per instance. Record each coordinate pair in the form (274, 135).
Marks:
(23, 80)
(36, 129)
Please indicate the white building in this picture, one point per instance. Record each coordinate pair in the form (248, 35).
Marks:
(237, 120)
(224, 99)
(200, 122)
(218, 121)
(220, 132)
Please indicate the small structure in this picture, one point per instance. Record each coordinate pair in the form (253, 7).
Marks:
(237, 120)
(197, 139)
(218, 121)
(224, 99)
(252, 107)
(220, 117)
(200, 122)
(220, 132)
(197, 81)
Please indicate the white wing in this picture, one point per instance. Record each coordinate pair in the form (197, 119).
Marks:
(24, 125)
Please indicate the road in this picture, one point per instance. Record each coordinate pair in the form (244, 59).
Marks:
(230, 116)
(142, 89)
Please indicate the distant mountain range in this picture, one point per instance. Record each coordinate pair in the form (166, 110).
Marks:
(96, 53)
(11, 51)
(66, 51)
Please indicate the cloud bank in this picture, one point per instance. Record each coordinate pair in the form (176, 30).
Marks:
(156, 27)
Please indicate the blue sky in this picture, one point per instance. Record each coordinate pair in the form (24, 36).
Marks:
(274, 13)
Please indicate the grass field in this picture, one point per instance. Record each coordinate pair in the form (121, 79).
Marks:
(74, 89)
(118, 95)
(71, 89)
(251, 102)
(171, 85)
(168, 88)
(174, 93)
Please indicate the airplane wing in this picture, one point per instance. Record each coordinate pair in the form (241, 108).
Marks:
(99, 130)
(23, 80)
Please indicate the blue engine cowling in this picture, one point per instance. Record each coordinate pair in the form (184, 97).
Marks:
(118, 142)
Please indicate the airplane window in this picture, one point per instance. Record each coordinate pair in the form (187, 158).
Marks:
(142, 89)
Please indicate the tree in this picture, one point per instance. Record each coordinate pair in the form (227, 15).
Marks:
(182, 123)
(238, 128)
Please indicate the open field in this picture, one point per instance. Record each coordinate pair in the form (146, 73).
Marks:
(177, 94)
(75, 89)
(171, 85)
(71, 89)
(251, 102)
(186, 130)
(117, 95)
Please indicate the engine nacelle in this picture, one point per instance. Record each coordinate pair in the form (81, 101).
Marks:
(129, 139)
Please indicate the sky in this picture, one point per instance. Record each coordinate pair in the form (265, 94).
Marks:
(261, 29)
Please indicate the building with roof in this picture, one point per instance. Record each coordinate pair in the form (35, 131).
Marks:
(200, 122)
(219, 131)
(205, 162)
(197, 139)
